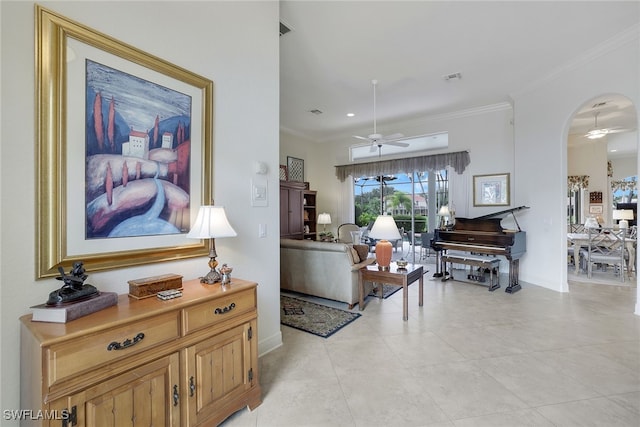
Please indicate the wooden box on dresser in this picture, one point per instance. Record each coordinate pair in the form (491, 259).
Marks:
(189, 361)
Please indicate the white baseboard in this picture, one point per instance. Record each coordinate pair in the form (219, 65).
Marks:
(269, 344)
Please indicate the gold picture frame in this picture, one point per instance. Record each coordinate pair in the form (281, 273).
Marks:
(491, 190)
(60, 135)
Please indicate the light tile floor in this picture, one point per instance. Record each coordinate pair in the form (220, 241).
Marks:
(467, 358)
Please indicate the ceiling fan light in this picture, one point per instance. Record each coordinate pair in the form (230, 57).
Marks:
(596, 133)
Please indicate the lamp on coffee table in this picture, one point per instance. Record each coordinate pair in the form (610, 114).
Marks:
(384, 229)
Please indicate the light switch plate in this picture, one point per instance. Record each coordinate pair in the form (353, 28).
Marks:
(259, 192)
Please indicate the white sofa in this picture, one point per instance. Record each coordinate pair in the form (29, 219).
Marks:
(322, 269)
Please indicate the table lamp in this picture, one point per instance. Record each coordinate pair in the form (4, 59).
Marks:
(385, 229)
(443, 213)
(623, 215)
(591, 222)
(211, 223)
(324, 219)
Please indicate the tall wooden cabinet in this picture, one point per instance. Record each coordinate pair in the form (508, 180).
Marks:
(298, 215)
(192, 361)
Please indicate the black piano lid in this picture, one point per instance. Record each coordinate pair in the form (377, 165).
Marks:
(502, 214)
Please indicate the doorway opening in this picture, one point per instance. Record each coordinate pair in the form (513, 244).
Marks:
(602, 169)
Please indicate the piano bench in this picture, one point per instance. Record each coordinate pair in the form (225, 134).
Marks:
(492, 264)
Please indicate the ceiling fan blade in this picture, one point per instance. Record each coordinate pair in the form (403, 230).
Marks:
(397, 143)
(618, 130)
(361, 137)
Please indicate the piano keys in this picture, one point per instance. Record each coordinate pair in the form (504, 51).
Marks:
(483, 235)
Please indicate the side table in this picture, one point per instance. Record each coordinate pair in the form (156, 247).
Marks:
(394, 276)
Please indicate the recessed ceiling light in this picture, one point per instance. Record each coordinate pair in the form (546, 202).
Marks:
(612, 151)
(350, 114)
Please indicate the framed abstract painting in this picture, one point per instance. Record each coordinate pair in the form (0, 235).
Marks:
(124, 151)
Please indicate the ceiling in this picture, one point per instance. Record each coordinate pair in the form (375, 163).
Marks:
(336, 48)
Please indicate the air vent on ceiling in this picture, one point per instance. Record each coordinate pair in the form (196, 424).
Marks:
(315, 111)
(284, 29)
(452, 76)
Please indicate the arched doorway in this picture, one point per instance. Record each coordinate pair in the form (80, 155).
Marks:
(602, 149)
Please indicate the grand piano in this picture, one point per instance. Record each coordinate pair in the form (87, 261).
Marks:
(483, 235)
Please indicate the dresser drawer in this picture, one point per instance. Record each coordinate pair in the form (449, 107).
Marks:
(72, 357)
(216, 311)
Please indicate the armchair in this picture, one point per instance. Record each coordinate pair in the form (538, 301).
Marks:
(344, 233)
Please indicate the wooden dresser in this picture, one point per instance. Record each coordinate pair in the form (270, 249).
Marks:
(184, 362)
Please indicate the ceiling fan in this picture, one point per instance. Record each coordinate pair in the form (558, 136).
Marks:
(597, 132)
(376, 139)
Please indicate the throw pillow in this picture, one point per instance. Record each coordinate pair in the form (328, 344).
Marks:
(363, 251)
(354, 255)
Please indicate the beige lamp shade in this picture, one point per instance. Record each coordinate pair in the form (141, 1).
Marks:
(591, 222)
(211, 222)
(324, 218)
(444, 211)
(385, 228)
(623, 215)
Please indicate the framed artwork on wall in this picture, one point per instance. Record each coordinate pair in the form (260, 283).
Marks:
(491, 190)
(284, 176)
(595, 209)
(295, 169)
(124, 151)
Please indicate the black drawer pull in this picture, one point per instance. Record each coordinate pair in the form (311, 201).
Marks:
(226, 309)
(126, 343)
(176, 396)
(192, 387)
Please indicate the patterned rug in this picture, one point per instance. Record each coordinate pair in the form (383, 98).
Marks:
(316, 319)
(387, 291)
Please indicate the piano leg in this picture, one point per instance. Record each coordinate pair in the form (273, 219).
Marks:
(441, 267)
(514, 286)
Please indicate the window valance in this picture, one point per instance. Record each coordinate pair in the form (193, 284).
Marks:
(624, 185)
(577, 182)
(458, 161)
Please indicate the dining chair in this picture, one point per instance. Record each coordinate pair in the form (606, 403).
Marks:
(425, 247)
(606, 248)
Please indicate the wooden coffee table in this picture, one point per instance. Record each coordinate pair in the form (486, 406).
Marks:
(394, 276)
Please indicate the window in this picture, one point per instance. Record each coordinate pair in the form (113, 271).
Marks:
(404, 196)
(625, 190)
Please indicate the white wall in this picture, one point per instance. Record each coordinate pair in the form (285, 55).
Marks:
(235, 44)
(542, 117)
(624, 167)
(591, 160)
(491, 152)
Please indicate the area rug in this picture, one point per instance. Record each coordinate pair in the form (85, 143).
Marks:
(387, 291)
(316, 319)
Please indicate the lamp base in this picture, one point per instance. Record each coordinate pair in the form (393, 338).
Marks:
(623, 224)
(383, 254)
(212, 277)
